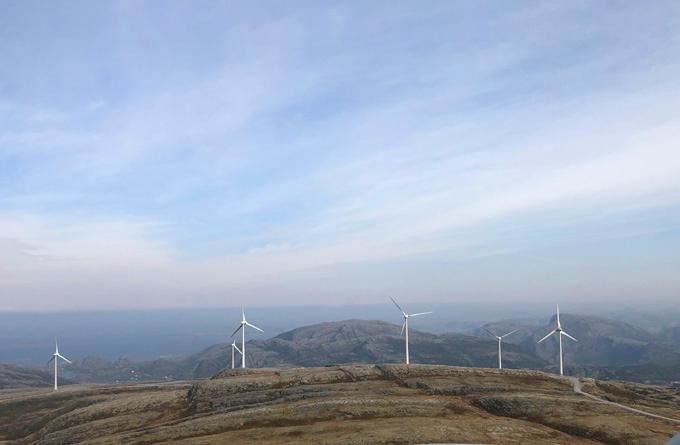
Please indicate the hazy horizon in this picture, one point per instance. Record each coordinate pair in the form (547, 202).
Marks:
(146, 334)
(202, 154)
(546, 304)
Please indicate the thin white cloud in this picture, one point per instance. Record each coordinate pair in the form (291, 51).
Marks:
(304, 149)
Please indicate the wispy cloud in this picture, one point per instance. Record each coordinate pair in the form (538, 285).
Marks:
(276, 147)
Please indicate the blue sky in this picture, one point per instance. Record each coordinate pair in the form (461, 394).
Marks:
(213, 153)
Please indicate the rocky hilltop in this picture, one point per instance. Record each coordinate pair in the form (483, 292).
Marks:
(354, 404)
(365, 341)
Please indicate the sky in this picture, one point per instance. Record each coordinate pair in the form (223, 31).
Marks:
(207, 154)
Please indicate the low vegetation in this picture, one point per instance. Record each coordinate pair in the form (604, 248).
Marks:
(352, 404)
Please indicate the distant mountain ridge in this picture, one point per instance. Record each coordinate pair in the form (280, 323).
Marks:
(601, 342)
(361, 341)
(670, 333)
(606, 349)
(350, 341)
(12, 376)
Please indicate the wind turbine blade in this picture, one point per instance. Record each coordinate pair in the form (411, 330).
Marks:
(420, 313)
(569, 336)
(237, 329)
(558, 314)
(236, 347)
(402, 328)
(551, 333)
(254, 327)
(398, 307)
(509, 333)
(49, 361)
(64, 358)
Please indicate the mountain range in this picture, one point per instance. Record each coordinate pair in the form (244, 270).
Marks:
(350, 341)
(606, 349)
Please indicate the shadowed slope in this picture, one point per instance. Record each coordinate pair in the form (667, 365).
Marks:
(12, 376)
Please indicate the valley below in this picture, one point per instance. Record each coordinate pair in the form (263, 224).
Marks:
(344, 404)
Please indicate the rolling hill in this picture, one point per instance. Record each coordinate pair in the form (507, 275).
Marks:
(12, 376)
(348, 405)
(605, 348)
(351, 341)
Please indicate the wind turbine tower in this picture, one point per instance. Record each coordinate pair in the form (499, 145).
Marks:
(500, 359)
(242, 328)
(560, 332)
(233, 349)
(55, 357)
(404, 327)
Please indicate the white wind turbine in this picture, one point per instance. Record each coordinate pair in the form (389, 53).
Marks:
(56, 356)
(234, 348)
(560, 332)
(404, 327)
(242, 327)
(500, 360)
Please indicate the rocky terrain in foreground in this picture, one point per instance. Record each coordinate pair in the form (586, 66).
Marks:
(352, 404)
